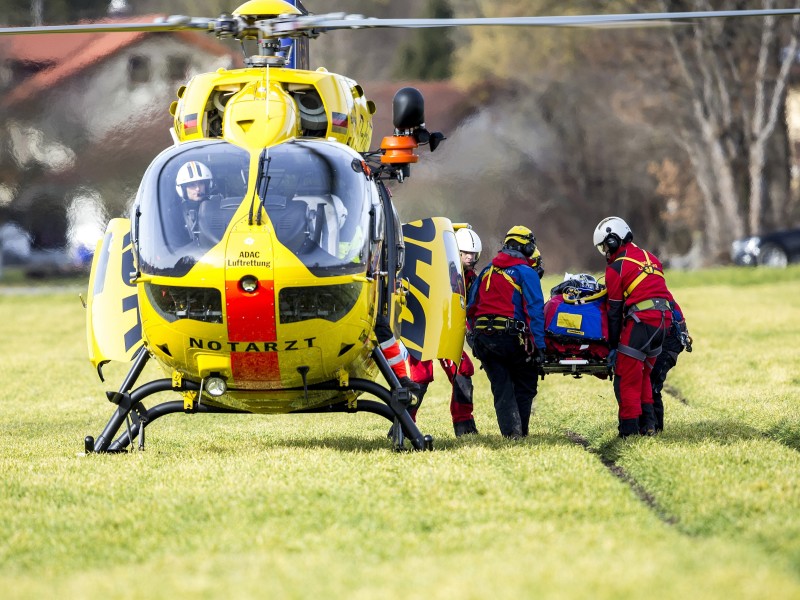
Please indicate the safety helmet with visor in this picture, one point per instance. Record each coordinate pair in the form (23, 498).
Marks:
(610, 234)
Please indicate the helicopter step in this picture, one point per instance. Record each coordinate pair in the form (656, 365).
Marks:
(135, 417)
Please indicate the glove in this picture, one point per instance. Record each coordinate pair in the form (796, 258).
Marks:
(683, 335)
(686, 340)
(611, 361)
(539, 357)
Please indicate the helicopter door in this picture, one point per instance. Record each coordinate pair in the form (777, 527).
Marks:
(433, 321)
(113, 327)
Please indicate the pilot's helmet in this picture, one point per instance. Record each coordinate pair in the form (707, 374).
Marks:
(191, 174)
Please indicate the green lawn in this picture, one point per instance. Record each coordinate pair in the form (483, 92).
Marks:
(318, 506)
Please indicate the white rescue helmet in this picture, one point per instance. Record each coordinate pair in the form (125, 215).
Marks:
(192, 172)
(468, 241)
(610, 234)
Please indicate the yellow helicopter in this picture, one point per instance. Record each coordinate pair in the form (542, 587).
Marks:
(263, 247)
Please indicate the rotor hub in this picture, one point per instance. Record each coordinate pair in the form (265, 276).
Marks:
(265, 61)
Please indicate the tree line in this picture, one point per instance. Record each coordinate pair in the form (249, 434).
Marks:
(681, 129)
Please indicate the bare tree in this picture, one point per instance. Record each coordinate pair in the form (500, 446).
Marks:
(734, 74)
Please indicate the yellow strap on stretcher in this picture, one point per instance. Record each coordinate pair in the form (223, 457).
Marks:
(572, 299)
(647, 268)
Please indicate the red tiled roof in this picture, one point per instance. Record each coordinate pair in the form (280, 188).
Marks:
(40, 48)
(75, 52)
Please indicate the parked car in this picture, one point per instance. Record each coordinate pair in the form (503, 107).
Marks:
(776, 249)
(17, 251)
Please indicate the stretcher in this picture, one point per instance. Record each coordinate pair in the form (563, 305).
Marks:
(575, 365)
(576, 328)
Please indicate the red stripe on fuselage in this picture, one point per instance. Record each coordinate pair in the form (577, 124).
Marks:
(251, 318)
(255, 366)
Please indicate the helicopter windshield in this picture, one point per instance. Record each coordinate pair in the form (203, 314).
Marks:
(318, 199)
(185, 203)
(317, 195)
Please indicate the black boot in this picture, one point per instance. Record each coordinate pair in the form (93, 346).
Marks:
(647, 420)
(658, 408)
(465, 427)
(628, 427)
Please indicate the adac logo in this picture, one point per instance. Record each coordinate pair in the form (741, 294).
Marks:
(249, 258)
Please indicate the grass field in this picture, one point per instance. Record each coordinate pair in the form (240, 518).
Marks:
(318, 506)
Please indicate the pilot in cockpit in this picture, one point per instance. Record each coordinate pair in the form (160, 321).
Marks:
(193, 184)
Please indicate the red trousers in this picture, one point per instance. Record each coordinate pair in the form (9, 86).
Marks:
(639, 345)
(460, 379)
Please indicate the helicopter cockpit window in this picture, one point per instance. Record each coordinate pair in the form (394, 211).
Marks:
(185, 203)
(319, 204)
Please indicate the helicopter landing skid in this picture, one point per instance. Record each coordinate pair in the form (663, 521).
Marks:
(135, 417)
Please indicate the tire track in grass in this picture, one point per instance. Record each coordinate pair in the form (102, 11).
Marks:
(675, 393)
(617, 471)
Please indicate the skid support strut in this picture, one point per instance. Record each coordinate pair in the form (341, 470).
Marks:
(124, 402)
(399, 400)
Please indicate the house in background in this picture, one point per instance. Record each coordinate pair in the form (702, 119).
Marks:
(82, 115)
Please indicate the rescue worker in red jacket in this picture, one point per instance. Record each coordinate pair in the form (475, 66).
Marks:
(639, 317)
(505, 315)
(460, 376)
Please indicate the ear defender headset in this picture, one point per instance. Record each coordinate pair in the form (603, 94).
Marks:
(527, 249)
(610, 234)
(612, 241)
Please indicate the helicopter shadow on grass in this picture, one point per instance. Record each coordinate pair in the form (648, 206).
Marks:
(370, 440)
(787, 434)
(382, 443)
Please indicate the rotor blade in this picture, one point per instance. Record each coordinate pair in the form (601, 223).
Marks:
(299, 25)
(174, 23)
(357, 21)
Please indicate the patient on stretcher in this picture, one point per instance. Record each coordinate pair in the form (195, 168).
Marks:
(576, 322)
